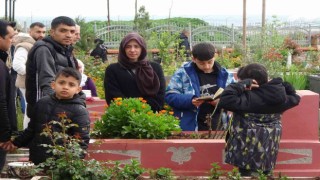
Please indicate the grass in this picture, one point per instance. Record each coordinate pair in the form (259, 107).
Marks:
(20, 115)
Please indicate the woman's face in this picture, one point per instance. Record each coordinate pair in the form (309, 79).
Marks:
(133, 50)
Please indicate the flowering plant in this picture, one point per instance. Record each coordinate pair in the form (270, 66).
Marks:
(133, 118)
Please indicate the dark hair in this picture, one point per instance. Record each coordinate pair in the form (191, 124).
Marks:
(203, 51)
(62, 20)
(240, 72)
(69, 71)
(254, 71)
(39, 24)
(3, 27)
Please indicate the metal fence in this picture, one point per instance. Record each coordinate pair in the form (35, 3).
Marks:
(219, 34)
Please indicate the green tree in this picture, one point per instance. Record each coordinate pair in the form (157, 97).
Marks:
(142, 21)
(87, 35)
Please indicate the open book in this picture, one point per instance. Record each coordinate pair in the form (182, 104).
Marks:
(214, 97)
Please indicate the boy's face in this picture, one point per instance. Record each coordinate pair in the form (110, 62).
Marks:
(66, 87)
(205, 66)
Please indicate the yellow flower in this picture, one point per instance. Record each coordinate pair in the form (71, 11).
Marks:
(143, 106)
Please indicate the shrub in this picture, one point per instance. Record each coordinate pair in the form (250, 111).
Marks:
(66, 162)
(133, 118)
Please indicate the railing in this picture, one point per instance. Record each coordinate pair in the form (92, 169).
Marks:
(220, 35)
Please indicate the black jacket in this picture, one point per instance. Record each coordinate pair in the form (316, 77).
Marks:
(46, 110)
(275, 96)
(5, 93)
(120, 82)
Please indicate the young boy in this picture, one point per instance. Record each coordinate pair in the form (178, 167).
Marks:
(68, 99)
(201, 77)
(254, 136)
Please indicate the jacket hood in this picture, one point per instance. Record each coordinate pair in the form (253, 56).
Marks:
(23, 37)
(273, 92)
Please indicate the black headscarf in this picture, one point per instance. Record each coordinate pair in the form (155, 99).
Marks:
(146, 78)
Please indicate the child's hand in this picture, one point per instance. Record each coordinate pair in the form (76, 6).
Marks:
(215, 102)
(249, 84)
(197, 102)
(8, 146)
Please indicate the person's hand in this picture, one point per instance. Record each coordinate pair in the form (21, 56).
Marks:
(8, 146)
(289, 88)
(215, 102)
(197, 102)
(249, 84)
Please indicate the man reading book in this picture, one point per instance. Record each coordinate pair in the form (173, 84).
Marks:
(201, 77)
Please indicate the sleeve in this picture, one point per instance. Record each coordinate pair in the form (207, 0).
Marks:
(157, 102)
(92, 87)
(111, 85)
(235, 98)
(4, 120)
(46, 69)
(19, 61)
(175, 95)
(28, 134)
(81, 118)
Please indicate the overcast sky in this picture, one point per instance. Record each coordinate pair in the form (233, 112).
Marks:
(124, 9)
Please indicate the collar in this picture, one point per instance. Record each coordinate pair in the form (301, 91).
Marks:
(66, 50)
(216, 68)
(3, 55)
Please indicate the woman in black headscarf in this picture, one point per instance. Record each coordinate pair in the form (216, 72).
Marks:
(133, 75)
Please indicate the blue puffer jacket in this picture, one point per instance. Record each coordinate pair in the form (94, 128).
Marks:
(183, 87)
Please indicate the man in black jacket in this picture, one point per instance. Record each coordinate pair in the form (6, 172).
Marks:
(47, 57)
(6, 37)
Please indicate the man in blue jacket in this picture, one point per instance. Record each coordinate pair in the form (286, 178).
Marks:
(201, 77)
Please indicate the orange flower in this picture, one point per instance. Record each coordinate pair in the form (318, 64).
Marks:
(62, 115)
(140, 98)
(171, 112)
(77, 136)
(149, 113)
(143, 106)
(163, 111)
(106, 106)
(133, 110)
(118, 103)
(144, 101)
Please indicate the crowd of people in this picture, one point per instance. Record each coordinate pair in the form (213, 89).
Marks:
(51, 80)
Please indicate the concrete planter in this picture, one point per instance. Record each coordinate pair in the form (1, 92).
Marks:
(298, 155)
